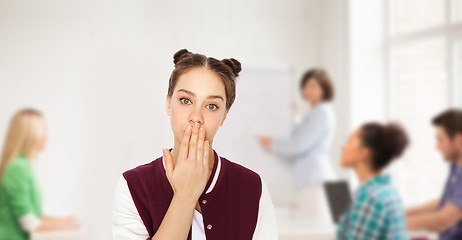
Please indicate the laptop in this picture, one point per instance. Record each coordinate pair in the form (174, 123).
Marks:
(338, 196)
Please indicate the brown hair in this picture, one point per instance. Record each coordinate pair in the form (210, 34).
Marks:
(321, 76)
(227, 70)
(386, 142)
(450, 120)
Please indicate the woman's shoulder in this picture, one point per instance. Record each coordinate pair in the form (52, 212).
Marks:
(384, 196)
(145, 170)
(387, 195)
(324, 108)
(323, 113)
(240, 173)
(16, 171)
(18, 164)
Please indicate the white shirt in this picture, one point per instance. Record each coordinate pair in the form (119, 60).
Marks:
(127, 223)
(308, 147)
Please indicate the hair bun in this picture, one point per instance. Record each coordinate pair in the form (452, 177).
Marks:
(233, 64)
(395, 139)
(180, 55)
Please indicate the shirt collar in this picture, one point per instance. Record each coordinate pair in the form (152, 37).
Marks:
(322, 103)
(377, 180)
(22, 157)
(215, 173)
(455, 170)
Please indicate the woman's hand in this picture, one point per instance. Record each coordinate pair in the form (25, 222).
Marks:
(188, 179)
(266, 141)
(56, 223)
(72, 222)
(190, 174)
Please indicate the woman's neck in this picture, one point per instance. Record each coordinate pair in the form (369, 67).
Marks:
(314, 104)
(364, 173)
(31, 156)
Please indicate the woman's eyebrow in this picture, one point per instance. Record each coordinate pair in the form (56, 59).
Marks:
(215, 97)
(187, 92)
(209, 97)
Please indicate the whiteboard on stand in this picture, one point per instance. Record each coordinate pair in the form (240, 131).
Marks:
(262, 108)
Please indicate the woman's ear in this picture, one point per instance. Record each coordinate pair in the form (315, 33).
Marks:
(167, 104)
(364, 153)
(224, 118)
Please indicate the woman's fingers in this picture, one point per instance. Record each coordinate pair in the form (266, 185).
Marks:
(168, 159)
(206, 154)
(185, 143)
(200, 144)
(193, 142)
(187, 176)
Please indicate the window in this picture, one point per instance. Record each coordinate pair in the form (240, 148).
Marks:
(414, 15)
(425, 55)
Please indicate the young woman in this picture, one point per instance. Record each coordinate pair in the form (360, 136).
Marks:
(191, 192)
(20, 196)
(376, 211)
(308, 147)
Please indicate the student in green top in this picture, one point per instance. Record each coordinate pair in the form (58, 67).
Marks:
(20, 197)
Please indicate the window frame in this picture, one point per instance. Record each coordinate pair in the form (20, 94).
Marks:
(451, 31)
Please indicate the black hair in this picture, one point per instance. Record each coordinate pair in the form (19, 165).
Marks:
(386, 142)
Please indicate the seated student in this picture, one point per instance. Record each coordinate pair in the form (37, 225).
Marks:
(376, 211)
(20, 195)
(444, 215)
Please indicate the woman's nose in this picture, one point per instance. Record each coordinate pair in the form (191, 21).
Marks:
(196, 116)
(193, 122)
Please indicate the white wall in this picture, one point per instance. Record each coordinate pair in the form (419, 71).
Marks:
(99, 71)
(367, 61)
(367, 64)
(334, 54)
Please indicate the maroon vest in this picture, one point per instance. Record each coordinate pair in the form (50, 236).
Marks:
(229, 211)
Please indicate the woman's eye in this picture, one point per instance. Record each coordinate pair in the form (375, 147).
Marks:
(185, 101)
(212, 106)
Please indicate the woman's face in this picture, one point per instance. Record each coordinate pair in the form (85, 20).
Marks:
(44, 138)
(199, 96)
(312, 91)
(353, 151)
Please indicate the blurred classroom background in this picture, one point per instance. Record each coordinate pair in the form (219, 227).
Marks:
(99, 71)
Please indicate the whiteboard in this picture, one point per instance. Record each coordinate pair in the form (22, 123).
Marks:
(262, 108)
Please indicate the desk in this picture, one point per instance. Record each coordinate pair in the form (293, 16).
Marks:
(305, 230)
(419, 234)
(79, 234)
(300, 229)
